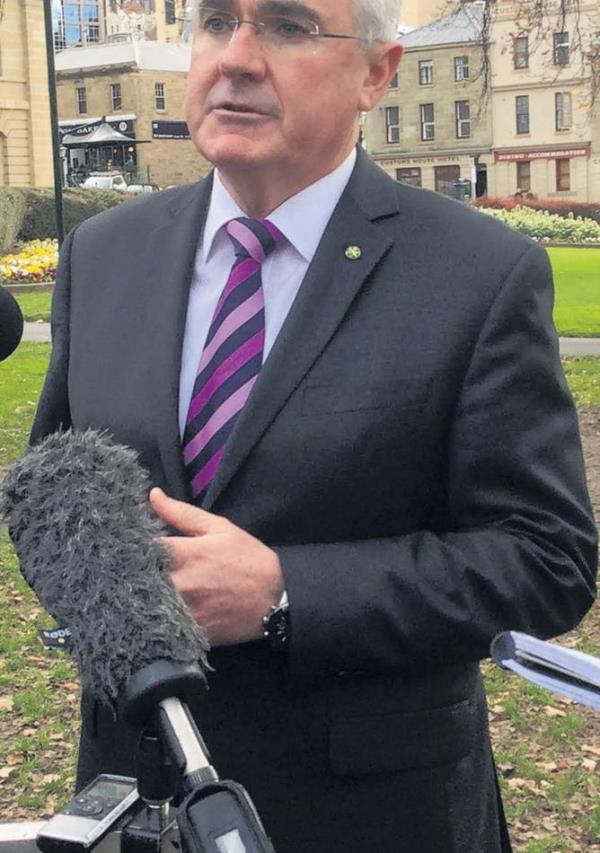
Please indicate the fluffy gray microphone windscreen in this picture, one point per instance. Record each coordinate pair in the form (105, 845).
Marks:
(86, 537)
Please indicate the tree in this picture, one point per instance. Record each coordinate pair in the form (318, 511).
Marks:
(542, 22)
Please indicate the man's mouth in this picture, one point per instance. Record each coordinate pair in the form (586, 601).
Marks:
(238, 108)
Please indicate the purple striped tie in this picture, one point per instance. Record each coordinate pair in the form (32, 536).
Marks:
(232, 356)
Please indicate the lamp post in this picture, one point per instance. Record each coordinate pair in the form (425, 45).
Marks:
(58, 183)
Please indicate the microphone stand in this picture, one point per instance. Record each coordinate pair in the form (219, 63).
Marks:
(215, 816)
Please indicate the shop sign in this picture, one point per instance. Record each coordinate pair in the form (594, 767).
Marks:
(170, 130)
(421, 160)
(554, 154)
(77, 129)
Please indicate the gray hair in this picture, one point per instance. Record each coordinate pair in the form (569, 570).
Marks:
(377, 19)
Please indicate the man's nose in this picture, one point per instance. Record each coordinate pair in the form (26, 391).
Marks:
(244, 54)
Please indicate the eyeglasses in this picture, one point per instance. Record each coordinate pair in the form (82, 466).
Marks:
(280, 31)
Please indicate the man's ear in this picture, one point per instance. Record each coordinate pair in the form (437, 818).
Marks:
(383, 62)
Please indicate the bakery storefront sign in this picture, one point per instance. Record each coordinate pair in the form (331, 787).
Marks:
(546, 154)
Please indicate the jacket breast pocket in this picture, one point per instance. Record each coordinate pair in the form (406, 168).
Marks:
(389, 743)
(353, 397)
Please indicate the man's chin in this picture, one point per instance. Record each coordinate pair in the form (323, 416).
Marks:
(235, 153)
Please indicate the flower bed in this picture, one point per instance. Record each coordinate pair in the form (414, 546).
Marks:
(549, 227)
(35, 262)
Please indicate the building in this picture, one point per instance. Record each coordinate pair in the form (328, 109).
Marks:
(533, 128)
(155, 20)
(417, 13)
(541, 102)
(137, 87)
(25, 136)
(427, 131)
(79, 23)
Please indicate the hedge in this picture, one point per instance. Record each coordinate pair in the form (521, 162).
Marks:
(560, 207)
(39, 221)
(549, 227)
(29, 214)
(12, 211)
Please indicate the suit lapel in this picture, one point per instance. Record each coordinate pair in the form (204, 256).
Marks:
(332, 282)
(167, 276)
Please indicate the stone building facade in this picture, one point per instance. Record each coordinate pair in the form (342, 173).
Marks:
(154, 20)
(25, 137)
(542, 104)
(428, 130)
(538, 129)
(138, 88)
(416, 13)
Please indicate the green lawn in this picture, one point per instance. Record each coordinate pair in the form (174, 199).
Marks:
(21, 378)
(35, 306)
(547, 749)
(576, 274)
(577, 279)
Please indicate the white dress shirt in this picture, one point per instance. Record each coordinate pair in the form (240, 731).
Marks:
(302, 219)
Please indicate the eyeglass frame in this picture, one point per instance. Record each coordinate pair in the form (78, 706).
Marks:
(234, 23)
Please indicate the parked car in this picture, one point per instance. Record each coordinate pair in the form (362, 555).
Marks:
(143, 188)
(105, 181)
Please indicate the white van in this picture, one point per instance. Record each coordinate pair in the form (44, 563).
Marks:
(105, 181)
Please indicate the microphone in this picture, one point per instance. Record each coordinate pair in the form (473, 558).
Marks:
(80, 521)
(11, 324)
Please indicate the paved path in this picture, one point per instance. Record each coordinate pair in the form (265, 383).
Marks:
(568, 346)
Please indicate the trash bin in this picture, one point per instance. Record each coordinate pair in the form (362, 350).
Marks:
(462, 190)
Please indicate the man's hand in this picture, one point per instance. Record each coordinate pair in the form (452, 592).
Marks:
(228, 579)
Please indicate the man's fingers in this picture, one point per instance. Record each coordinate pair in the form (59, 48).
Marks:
(188, 519)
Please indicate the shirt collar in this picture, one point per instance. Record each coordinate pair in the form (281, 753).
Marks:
(304, 233)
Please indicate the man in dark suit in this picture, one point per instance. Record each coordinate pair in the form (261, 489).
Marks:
(351, 392)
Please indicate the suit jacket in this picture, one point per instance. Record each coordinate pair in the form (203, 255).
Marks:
(412, 452)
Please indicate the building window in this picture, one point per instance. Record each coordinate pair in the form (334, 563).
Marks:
(521, 52)
(463, 119)
(392, 124)
(393, 84)
(425, 72)
(170, 12)
(563, 175)
(79, 24)
(159, 96)
(563, 110)
(90, 22)
(561, 49)
(461, 68)
(81, 95)
(522, 106)
(445, 178)
(409, 176)
(427, 122)
(115, 96)
(524, 176)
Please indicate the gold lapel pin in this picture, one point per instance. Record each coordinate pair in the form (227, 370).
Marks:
(353, 253)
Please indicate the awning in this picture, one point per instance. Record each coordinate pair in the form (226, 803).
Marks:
(104, 134)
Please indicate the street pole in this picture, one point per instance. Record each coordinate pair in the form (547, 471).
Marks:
(58, 178)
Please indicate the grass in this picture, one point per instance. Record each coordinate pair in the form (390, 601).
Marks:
(577, 279)
(583, 376)
(576, 274)
(35, 306)
(21, 378)
(547, 749)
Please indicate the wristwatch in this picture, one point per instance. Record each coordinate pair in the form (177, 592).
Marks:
(276, 625)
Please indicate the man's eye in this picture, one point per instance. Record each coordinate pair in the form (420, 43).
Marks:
(289, 28)
(215, 24)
